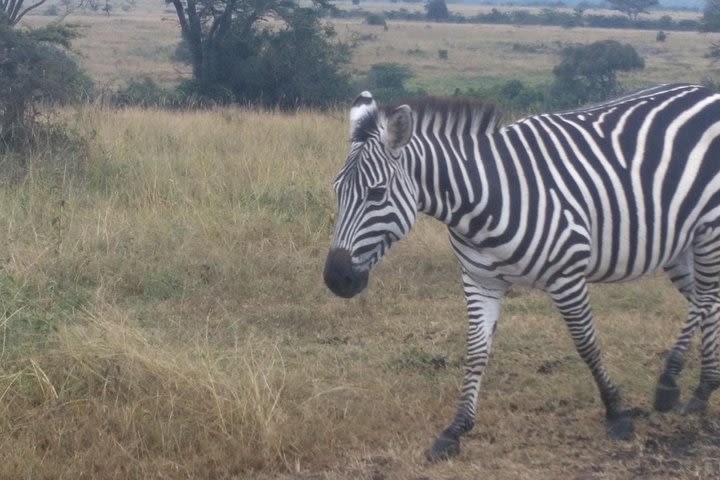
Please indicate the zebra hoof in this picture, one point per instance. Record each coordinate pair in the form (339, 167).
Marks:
(620, 428)
(694, 405)
(667, 393)
(443, 448)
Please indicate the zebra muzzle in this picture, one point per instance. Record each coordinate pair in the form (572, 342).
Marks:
(340, 276)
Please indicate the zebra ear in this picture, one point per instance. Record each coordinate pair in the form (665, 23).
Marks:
(399, 128)
(362, 108)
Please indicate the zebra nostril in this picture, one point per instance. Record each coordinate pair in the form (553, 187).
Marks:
(340, 276)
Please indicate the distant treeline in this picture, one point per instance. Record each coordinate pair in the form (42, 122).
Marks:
(546, 16)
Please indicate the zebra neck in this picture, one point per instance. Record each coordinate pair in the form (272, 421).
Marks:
(456, 179)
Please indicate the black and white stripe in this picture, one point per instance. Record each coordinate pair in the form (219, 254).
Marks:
(605, 193)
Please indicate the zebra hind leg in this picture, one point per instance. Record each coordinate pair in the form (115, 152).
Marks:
(572, 299)
(667, 392)
(705, 309)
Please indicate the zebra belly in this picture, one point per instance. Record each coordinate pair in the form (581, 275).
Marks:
(487, 267)
(569, 250)
(512, 263)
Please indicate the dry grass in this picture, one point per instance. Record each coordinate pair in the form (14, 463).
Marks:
(125, 45)
(479, 55)
(164, 317)
(141, 42)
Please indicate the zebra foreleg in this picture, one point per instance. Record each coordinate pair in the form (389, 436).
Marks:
(483, 305)
(667, 392)
(572, 299)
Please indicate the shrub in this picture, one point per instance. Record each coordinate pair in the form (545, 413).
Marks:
(52, 11)
(239, 57)
(387, 80)
(589, 72)
(144, 92)
(710, 21)
(710, 83)
(376, 19)
(511, 95)
(437, 10)
(34, 72)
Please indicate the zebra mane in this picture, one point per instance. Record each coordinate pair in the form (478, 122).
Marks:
(475, 117)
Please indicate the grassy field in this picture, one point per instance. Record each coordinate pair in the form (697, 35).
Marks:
(140, 43)
(164, 316)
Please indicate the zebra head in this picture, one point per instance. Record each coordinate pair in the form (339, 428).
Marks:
(375, 195)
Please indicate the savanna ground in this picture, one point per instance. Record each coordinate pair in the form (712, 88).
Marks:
(163, 312)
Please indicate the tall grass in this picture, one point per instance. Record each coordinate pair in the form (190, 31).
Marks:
(117, 286)
(163, 311)
(162, 315)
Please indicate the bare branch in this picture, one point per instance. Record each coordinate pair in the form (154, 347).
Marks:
(31, 7)
(223, 20)
(14, 10)
(180, 10)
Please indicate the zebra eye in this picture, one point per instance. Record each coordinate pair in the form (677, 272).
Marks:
(376, 194)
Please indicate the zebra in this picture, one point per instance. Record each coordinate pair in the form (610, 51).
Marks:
(603, 193)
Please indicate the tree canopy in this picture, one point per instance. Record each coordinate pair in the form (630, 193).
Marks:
(35, 70)
(436, 10)
(589, 72)
(633, 8)
(710, 21)
(12, 11)
(273, 52)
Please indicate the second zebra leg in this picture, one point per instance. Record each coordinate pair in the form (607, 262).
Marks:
(667, 393)
(483, 305)
(572, 299)
(710, 370)
(705, 306)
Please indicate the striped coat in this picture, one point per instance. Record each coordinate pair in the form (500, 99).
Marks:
(605, 193)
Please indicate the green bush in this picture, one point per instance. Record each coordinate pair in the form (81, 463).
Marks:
(145, 92)
(244, 58)
(588, 73)
(51, 11)
(376, 19)
(710, 21)
(511, 96)
(35, 71)
(386, 81)
(437, 10)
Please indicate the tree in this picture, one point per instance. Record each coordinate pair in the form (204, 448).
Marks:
(713, 52)
(589, 72)
(35, 71)
(12, 11)
(386, 81)
(269, 51)
(436, 10)
(710, 21)
(633, 8)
